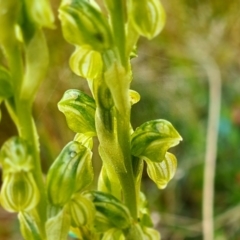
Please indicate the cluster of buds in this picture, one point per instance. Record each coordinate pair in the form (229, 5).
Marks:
(19, 191)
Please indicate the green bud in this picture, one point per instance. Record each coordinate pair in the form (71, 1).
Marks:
(134, 97)
(83, 24)
(19, 192)
(71, 172)
(147, 17)
(152, 140)
(8, 17)
(6, 90)
(113, 234)
(86, 62)
(110, 208)
(162, 172)
(39, 11)
(79, 110)
(151, 234)
(82, 211)
(16, 156)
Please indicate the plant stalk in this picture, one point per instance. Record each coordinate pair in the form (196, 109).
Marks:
(214, 77)
(25, 124)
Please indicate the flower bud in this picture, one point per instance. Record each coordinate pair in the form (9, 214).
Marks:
(82, 211)
(86, 62)
(109, 208)
(19, 192)
(84, 24)
(134, 97)
(71, 172)
(40, 12)
(152, 140)
(8, 17)
(147, 17)
(16, 156)
(162, 172)
(79, 110)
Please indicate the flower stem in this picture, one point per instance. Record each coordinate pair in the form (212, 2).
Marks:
(25, 124)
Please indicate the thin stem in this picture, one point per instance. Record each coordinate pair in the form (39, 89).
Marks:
(117, 11)
(127, 179)
(214, 77)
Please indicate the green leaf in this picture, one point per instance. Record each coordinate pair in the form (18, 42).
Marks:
(114, 74)
(57, 227)
(83, 24)
(147, 17)
(82, 211)
(86, 62)
(111, 209)
(19, 192)
(6, 90)
(15, 156)
(162, 172)
(109, 183)
(152, 140)
(29, 227)
(79, 110)
(36, 65)
(72, 170)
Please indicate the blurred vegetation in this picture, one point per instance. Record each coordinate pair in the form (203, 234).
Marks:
(172, 82)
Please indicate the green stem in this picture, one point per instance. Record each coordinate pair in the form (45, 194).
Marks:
(25, 124)
(27, 130)
(117, 11)
(127, 179)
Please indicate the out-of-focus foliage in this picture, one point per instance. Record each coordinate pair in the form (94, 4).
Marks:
(173, 85)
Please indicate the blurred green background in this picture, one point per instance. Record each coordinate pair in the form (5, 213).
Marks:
(170, 76)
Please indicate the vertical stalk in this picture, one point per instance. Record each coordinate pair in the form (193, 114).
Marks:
(127, 179)
(25, 124)
(214, 77)
(117, 10)
(119, 87)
